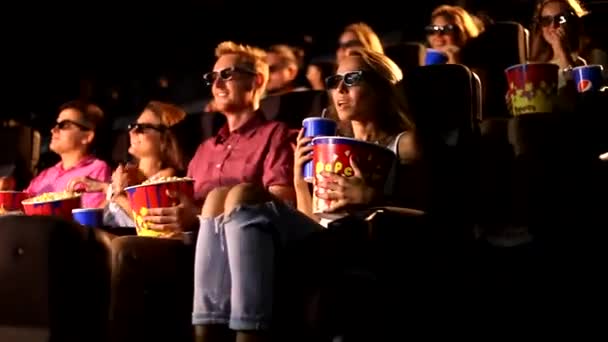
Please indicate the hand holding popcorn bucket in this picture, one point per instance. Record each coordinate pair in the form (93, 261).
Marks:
(155, 194)
(335, 155)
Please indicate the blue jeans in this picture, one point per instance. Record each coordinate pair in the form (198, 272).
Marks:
(234, 271)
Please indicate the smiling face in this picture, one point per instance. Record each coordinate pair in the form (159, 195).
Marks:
(234, 85)
(352, 96)
(146, 142)
(444, 37)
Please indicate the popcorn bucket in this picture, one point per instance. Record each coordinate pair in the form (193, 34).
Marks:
(154, 195)
(11, 201)
(532, 87)
(333, 154)
(52, 204)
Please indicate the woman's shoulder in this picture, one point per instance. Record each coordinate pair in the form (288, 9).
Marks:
(407, 149)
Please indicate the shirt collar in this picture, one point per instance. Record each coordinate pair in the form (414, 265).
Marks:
(247, 130)
(83, 162)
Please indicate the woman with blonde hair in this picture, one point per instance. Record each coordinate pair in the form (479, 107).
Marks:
(450, 29)
(237, 288)
(358, 35)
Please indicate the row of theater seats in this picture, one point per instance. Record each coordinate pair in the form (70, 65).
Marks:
(20, 153)
(501, 45)
(63, 282)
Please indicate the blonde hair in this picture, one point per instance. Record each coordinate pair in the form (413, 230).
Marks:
(368, 38)
(395, 118)
(249, 57)
(459, 17)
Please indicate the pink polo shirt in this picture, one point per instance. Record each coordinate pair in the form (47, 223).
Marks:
(56, 179)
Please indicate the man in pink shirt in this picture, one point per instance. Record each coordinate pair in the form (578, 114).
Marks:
(72, 137)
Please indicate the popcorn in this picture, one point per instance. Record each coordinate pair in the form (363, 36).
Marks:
(51, 196)
(156, 180)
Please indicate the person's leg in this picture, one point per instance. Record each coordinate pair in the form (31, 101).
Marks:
(211, 307)
(255, 225)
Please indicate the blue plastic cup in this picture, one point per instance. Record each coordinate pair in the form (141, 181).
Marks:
(588, 78)
(88, 217)
(316, 127)
(433, 57)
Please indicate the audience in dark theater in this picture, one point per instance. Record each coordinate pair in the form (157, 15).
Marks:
(376, 180)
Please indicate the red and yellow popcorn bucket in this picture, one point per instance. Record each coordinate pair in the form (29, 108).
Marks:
(532, 87)
(52, 204)
(11, 201)
(155, 194)
(333, 154)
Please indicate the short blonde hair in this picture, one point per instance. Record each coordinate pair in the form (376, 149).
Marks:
(248, 56)
(368, 38)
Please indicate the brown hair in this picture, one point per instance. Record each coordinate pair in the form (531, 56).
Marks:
(459, 17)
(172, 155)
(368, 38)
(396, 118)
(92, 115)
(540, 50)
(288, 54)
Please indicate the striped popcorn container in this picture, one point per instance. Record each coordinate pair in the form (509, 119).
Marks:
(11, 200)
(50, 206)
(156, 195)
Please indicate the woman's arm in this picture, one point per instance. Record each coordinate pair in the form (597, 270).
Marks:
(123, 202)
(407, 147)
(304, 199)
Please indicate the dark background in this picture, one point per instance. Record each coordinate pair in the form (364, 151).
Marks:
(55, 53)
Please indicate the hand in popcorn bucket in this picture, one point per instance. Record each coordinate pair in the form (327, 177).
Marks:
(348, 172)
(154, 201)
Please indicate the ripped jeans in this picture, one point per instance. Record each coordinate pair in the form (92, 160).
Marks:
(234, 272)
